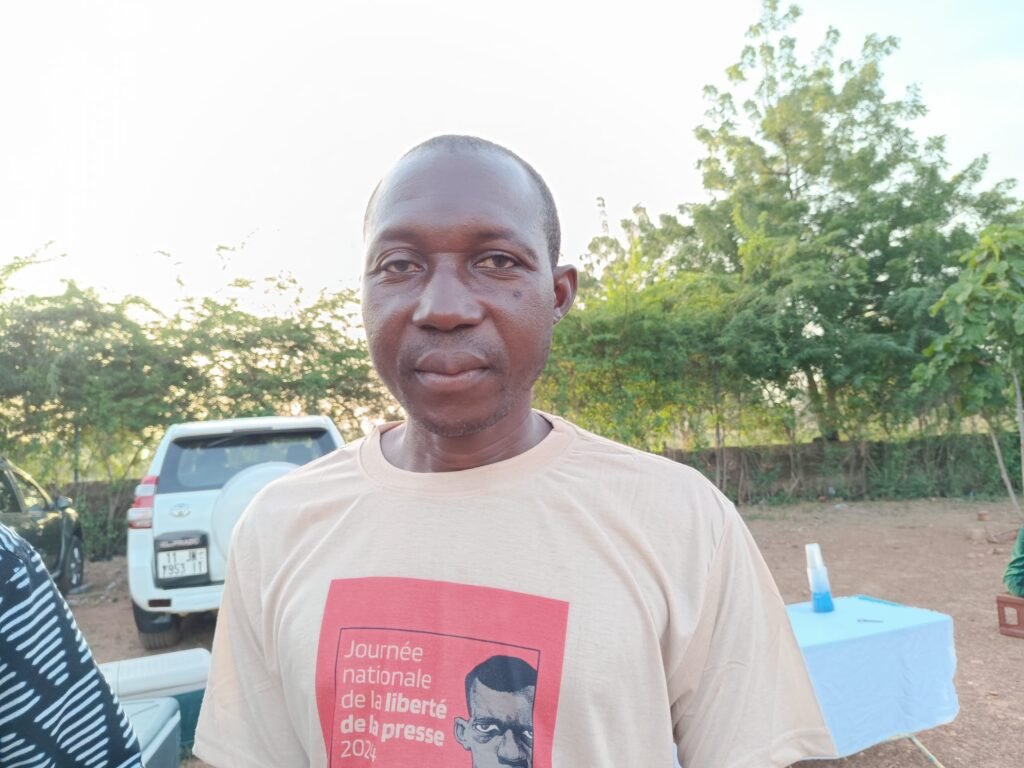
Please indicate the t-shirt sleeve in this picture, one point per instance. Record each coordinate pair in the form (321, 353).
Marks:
(56, 708)
(741, 696)
(244, 719)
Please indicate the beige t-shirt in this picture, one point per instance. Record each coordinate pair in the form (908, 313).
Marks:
(581, 604)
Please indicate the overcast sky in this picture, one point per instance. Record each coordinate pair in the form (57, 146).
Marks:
(136, 129)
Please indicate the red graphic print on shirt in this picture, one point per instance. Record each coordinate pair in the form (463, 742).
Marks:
(430, 673)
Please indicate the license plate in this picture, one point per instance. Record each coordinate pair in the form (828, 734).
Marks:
(181, 563)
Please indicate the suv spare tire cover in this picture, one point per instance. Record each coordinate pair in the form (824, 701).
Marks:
(235, 497)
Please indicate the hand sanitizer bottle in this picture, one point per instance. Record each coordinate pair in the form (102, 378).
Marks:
(817, 575)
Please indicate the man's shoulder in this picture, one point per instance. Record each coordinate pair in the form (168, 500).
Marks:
(330, 464)
(319, 479)
(609, 454)
(641, 491)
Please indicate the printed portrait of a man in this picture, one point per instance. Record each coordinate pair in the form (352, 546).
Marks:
(499, 696)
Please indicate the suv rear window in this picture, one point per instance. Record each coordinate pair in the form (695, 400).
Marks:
(207, 462)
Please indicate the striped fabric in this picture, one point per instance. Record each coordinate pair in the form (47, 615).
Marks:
(56, 709)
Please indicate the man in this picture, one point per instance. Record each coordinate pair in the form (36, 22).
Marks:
(480, 520)
(499, 697)
(56, 709)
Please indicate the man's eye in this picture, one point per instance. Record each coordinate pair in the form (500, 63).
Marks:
(496, 261)
(528, 734)
(486, 727)
(400, 266)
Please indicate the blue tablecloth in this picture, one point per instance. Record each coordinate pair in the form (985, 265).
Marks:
(879, 669)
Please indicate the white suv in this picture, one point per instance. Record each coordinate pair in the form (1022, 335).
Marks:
(202, 477)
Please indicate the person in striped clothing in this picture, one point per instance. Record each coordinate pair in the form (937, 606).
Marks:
(56, 708)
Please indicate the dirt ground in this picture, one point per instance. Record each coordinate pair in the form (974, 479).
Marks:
(934, 554)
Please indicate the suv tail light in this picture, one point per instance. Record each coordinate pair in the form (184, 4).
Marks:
(141, 513)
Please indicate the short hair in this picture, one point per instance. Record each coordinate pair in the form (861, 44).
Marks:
(507, 674)
(456, 143)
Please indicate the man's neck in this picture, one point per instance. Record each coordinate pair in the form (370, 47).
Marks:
(413, 448)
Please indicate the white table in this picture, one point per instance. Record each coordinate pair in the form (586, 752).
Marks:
(880, 670)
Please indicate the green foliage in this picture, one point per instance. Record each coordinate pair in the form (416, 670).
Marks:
(945, 466)
(104, 529)
(78, 375)
(87, 385)
(841, 226)
(645, 339)
(797, 300)
(980, 361)
(801, 290)
(305, 358)
(985, 312)
(953, 466)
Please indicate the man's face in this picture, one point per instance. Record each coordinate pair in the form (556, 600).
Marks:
(499, 732)
(459, 296)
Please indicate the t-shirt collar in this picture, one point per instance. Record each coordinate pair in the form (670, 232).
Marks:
(538, 458)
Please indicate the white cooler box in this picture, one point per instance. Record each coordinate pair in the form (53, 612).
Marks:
(158, 726)
(178, 674)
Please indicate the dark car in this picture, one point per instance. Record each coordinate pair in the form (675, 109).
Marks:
(49, 525)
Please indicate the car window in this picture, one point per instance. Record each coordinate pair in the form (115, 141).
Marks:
(33, 496)
(208, 462)
(8, 501)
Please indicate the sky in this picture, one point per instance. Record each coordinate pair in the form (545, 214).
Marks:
(146, 143)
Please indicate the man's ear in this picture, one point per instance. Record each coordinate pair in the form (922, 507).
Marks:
(460, 732)
(565, 280)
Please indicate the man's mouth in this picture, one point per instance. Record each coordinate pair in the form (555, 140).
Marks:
(453, 377)
(450, 370)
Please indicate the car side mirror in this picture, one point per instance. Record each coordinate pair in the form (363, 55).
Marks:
(62, 503)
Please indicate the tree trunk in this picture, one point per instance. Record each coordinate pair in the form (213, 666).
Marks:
(719, 458)
(1020, 422)
(77, 452)
(795, 469)
(1002, 465)
(814, 400)
(832, 413)
(720, 471)
(819, 408)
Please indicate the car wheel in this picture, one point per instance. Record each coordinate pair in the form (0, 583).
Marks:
(73, 573)
(157, 630)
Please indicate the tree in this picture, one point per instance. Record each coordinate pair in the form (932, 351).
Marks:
(840, 224)
(84, 385)
(982, 355)
(799, 292)
(81, 372)
(615, 359)
(649, 350)
(87, 385)
(305, 358)
(15, 265)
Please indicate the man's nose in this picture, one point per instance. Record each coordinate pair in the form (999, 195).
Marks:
(447, 301)
(508, 747)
